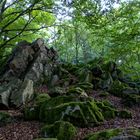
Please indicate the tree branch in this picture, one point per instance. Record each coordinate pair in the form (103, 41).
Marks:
(12, 21)
(21, 31)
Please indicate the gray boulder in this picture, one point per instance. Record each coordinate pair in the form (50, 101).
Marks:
(24, 94)
(6, 89)
(30, 64)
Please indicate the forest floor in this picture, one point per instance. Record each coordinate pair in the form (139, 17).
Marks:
(20, 129)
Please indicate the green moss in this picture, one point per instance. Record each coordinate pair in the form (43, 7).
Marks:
(57, 91)
(117, 88)
(79, 113)
(41, 98)
(107, 109)
(107, 103)
(4, 118)
(31, 113)
(112, 133)
(103, 135)
(76, 91)
(125, 114)
(85, 85)
(60, 129)
(65, 99)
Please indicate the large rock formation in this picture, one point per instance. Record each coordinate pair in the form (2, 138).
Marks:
(28, 65)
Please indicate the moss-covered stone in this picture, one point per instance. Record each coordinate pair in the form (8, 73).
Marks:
(81, 111)
(76, 91)
(84, 75)
(5, 118)
(107, 109)
(41, 98)
(117, 88)
(31, 113)
(60, 129)
(103, 82)
(103, 135)
(57, 91)
(78, 113)
(65, 99)
(85, 86)
(111, 134)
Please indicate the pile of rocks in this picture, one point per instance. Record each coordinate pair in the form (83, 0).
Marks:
(26, 67)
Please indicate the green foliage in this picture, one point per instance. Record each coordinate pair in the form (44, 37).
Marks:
(101, 29)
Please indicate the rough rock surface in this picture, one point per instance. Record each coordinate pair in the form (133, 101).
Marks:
(26, 67)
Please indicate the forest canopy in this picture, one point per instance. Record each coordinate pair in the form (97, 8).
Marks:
(79, 30)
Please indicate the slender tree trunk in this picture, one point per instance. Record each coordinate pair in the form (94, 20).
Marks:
(76, 44)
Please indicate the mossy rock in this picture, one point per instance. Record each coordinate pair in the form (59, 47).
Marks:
(124, 114)
(84, 75)
(57, 91)
(41, 98)
(60, 129)
(78, 113)
(85, 86)
(103, 135)
(65, 99)
(82, 111)
(76, 91)
(117, 88)
(31, 113)
(107, 109)
(111, 134)
(5, 118)
(103, 82)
